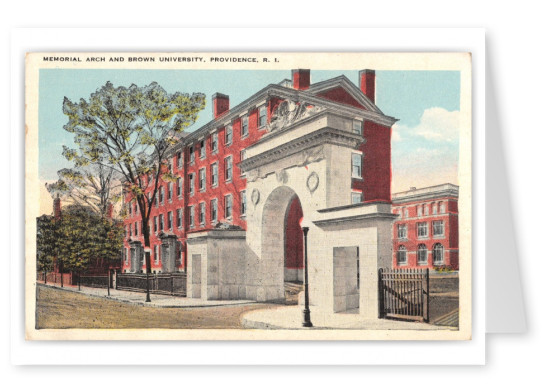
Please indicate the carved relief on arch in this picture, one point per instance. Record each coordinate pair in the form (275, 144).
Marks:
(289, 112)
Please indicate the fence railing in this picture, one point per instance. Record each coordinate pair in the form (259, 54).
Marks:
(94, 281)
(404, 294)
(165, 283)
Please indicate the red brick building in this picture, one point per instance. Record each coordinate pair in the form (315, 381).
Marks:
(211, 189)
(426, 232)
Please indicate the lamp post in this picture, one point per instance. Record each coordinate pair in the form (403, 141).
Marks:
(306, 312)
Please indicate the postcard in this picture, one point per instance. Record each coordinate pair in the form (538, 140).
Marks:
(248, 196)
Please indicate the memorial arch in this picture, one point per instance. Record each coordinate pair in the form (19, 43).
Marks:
(306, 155)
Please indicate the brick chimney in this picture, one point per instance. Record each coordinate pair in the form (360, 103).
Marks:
(367, 83)
(109, 213)
(301, 79)
(220, 104)
(57, 208)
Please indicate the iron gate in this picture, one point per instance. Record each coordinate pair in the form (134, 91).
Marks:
(404, 294)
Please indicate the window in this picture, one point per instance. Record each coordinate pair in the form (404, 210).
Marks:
(214, 143)
(228, 206)
(228, 135)
(155, 254)
(162, 195)
(357, 126)
(419, 210)
(155, 226)
(130, 229)
(426, 207)
(214, 210)
(179, 187)
(179, 159)
(438, 254)
(438, 228)
(442, 207)
(191, 155)
(406, 212)
(202, 149)
(242, 156)
(191, 210)
(170, 165)
(179, 218)
(356, 165)
(228, 168)
(243, 204)
(130, 209)
(422, 254)
(170, 191)
(214, 174)
(191, 183)
(399, 212)
(169, 221)
(402, 256)
(262, 116)
(202, 179)
(434, 209)
(202, 213)
(422, 231)
(157, 198)
(356, 197)
(136, 228)
(244, 126)
(161, 223)
(402, 231)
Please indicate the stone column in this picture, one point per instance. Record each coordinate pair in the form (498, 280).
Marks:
(168, 250)
(136, 256)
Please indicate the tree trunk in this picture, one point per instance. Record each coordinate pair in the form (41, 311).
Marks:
(145, 230)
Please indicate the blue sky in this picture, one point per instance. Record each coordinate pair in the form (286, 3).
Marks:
(425, 146)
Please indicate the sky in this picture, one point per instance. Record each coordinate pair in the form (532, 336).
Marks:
(425, 140)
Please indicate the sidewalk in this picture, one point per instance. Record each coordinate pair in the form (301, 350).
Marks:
(138, 298)
(281, 317)
(290, 317)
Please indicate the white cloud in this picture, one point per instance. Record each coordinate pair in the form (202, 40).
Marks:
(436, 124)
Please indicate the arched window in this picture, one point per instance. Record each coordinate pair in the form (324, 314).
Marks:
(402, 256)
(438, 254)
(422, 254)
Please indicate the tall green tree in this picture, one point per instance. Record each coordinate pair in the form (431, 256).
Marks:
(46, 242)
(131, 131)
(83, 236)
(93, 185)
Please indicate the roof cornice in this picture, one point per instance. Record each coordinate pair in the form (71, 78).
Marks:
(274, 90)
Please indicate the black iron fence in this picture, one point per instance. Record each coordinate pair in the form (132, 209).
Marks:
(94, 281)
(404, 294)
(164, 283)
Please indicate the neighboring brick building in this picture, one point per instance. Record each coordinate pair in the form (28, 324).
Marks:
(426, 232)
(211, 188)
